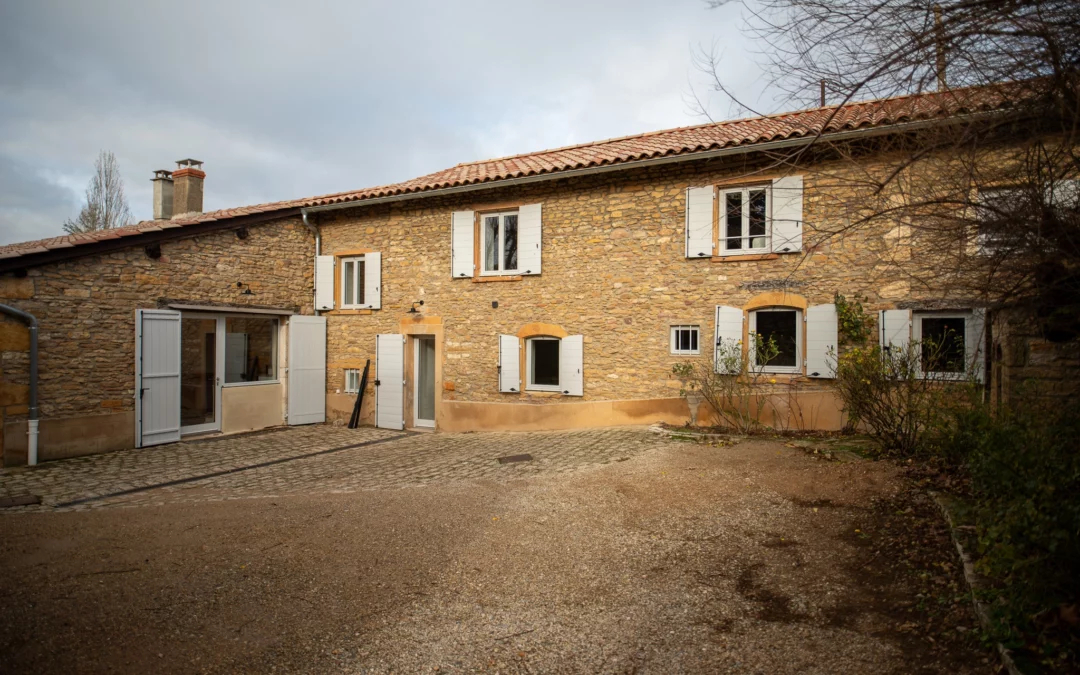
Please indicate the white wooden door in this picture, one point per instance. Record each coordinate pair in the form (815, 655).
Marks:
(307, 369)
(390, 381)
(157, 377)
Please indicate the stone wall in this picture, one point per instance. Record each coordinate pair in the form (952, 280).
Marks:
(1024, 363)
(86, 309)
(614, 271)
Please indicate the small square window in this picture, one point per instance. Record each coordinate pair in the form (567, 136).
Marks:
(352, 380)
(542, 363)
(685, 340)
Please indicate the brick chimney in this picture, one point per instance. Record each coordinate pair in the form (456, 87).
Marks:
(188, 186)
(163, 194)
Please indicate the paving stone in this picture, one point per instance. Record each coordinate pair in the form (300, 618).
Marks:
(395, 460)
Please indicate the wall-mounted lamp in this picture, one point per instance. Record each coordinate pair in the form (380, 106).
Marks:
(246, 291)
(412, 309)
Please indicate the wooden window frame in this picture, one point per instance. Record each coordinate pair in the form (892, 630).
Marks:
(529, 384)
(683, 352)
(800, 339)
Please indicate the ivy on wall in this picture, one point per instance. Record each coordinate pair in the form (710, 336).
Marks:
(853, 321)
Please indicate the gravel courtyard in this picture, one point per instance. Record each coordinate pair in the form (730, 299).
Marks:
(613, 551)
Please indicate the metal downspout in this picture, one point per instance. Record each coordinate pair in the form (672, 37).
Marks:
(32, 424)
(318, 249)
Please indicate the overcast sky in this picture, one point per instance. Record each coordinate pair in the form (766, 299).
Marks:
(292, 99)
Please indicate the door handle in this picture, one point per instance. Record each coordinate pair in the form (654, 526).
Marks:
(377, 383)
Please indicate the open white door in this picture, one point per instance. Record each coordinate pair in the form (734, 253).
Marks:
(157, 377)
(307, 369)
(390, 381)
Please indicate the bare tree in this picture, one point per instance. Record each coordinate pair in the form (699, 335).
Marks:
(106, 206)
(991, 188)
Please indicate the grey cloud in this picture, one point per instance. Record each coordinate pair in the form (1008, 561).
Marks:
(283, 100)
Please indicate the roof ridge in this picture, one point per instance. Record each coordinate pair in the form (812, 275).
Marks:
(740, 120)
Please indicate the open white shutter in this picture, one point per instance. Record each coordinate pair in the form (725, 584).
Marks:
(699, 222)
(975, 337)
(787, 214)
(390, 381)
(571, 360)
(462, 244)
(157, 377)
(307, 369)
(509, 364)
(895, 328)
(373, 280)
(324, 282)
(729, 330)
(530, 239)
(822, 340)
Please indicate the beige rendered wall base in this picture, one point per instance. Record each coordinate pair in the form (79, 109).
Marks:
(251, 407)
(71, 437)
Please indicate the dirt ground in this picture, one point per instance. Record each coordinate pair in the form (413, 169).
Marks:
(754, 558)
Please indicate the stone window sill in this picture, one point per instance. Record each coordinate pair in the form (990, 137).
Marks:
(485, 280)
(744, 258)
(347, 312)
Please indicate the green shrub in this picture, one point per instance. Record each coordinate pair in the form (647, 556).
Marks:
(887, 393)
(733, 384)
(1024, 469)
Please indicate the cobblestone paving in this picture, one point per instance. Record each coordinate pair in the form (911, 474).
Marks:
(408, 460)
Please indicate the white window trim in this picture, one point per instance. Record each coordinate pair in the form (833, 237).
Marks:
(744, 226)
(529, 384)
(348, 389)
(799, 336)
(685, 352)
(916, 336)
(358, 288)
(483, 244)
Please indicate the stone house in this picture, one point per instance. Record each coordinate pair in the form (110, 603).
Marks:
(547, 290)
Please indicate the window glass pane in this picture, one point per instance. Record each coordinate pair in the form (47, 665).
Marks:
(757, 219)
(510, 241)
(733, 206)
(545, 365)
(943, 344)
(684, 339)
(781, 326)
(250, 349)
(693, 339)
(491, 243)
(360, 265)
(349, 284)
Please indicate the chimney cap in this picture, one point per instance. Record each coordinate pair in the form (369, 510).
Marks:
(162, 174)
(188, 164)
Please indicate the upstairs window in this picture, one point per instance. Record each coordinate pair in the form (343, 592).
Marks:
(744, 214)
(499, 242)
(353, 273)
(784, 328)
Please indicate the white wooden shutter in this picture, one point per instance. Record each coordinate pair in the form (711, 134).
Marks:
(729, 330)
(787, 214)
(894, 328)
(530, 239)
(324, 282)
(462, 264)
(822, 341)
(699, 222)
(571, 362)
(307, 369)
(509, 363)
(373, 280)
(157, 377)
(975, 339)
(390, 381)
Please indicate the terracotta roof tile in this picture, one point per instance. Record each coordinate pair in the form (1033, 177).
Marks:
(623, 150)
